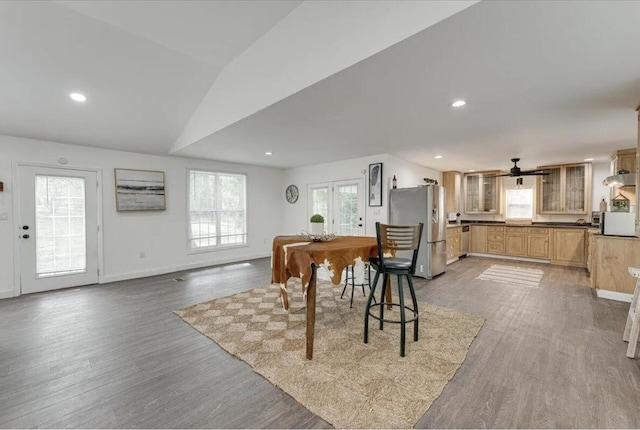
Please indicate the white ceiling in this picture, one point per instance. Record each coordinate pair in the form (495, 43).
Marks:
(547, 82)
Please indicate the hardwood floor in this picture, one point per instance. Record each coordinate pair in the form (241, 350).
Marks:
(116, 356)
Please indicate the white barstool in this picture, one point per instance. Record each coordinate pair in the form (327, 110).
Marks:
(632, 328)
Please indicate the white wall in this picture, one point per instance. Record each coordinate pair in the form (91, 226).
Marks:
(160, 235)
(408, 174)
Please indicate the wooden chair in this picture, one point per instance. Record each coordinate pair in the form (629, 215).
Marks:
(392, 239)
(632, 328)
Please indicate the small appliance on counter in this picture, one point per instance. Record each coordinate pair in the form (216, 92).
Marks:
(452, 216)
(595, 218)
(618, 223)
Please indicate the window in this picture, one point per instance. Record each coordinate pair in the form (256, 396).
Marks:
(519, 203)
(217, 210)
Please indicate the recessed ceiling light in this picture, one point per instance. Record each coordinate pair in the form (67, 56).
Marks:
(438, 156)
(268, 153)
(588, 159)
(472, 170)
(78, 97)
(458, 103)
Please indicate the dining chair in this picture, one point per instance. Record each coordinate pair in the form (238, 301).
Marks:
(391, 240)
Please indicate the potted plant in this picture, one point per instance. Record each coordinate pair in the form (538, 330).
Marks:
(317, 224)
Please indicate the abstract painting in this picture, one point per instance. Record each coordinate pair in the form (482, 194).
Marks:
(375, 184)
(139, 190)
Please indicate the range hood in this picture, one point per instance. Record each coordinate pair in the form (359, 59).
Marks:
(622, 180)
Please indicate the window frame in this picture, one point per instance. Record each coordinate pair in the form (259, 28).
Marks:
(506, 202)
(218, 247)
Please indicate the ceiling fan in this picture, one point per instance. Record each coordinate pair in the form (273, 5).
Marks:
(516, 172)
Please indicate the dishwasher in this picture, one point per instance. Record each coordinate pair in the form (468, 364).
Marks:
(464, 248)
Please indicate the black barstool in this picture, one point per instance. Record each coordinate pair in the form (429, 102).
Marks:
(391, 239)
(351, 278)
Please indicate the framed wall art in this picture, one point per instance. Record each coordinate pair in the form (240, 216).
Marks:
(375, 184)
(139, 190)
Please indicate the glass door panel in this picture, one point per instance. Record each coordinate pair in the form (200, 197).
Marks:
(60, 226)
(347, 214)
(575, 189)
(472, 187)
(551, 190)
(489, 194)
(320, 203)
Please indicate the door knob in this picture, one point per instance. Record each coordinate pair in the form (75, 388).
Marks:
(25, 236)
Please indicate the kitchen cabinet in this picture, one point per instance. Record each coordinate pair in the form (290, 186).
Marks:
(624, 160)
(479, 238)
(495, 240)
(569, 247)
(538, 242)
(482, 193)
(566, 246)
(566, 190)
(515, 241)
(610, 258)
(453, 243)
(452, 181)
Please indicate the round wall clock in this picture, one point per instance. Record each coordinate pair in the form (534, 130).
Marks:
(291, 194)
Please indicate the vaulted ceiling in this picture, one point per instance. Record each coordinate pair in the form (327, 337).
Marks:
(316, 81)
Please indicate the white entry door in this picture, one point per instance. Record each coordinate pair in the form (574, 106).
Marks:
(342, 205)
(58, 228)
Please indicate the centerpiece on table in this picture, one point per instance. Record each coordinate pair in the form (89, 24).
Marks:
(317, 224)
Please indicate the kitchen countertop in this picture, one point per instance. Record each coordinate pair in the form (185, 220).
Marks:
(535, 224)
(602, 236)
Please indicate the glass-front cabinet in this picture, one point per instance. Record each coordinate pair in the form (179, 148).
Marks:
(565, 190)
(482, 193)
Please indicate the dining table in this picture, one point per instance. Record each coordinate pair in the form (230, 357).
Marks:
(299, 257)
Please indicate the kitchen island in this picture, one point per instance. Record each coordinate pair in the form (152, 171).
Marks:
(610, 256)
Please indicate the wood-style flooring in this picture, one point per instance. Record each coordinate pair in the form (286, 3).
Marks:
(116, 356)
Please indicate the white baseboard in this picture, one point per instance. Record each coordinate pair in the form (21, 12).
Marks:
(614, 295)
(178, 268)
(508, 257)
(5, 294)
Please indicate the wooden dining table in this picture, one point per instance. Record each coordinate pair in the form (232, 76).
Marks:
(293, 256)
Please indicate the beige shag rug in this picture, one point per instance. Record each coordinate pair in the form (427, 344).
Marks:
(348, 383)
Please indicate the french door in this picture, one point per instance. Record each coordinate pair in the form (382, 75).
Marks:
(341, 204)
(58, 228)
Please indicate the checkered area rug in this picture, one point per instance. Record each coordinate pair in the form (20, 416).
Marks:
(348, 383)
(518, 276)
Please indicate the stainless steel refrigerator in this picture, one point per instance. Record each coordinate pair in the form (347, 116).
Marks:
(427, 205)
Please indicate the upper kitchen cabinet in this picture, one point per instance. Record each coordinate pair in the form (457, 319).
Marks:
(566, 190)
(482, 193)
(451, 183)
(624, 160)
